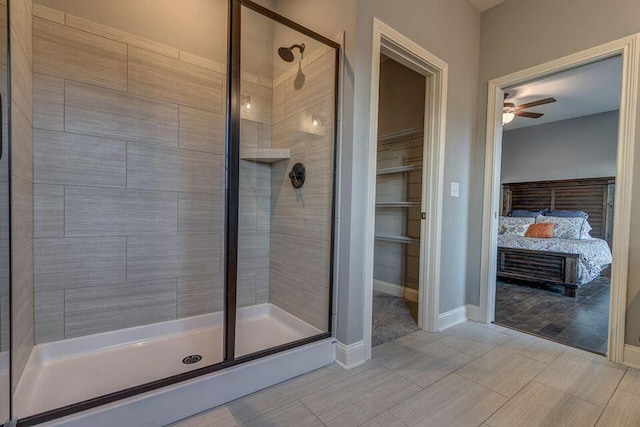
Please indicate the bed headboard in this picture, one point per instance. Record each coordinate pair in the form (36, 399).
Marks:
(592, 195)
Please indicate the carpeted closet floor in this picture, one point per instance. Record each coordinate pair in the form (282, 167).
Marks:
(393, 317)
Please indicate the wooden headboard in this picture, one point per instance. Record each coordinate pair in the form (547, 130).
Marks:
(592, 195)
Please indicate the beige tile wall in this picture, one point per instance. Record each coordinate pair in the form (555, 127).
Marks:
(22, 187)
(301, 219)
(129, 181)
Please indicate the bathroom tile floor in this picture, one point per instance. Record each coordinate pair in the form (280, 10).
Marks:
(468, 375)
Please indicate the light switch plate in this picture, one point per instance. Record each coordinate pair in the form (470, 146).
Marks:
(455, 189)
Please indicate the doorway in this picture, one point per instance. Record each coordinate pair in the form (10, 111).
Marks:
(621, 201)
(394, 45)
(400, 158)
(558, 167)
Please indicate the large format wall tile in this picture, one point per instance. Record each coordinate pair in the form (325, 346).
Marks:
(21, 144)
(202, 130)
(21, 210)
(48, 210)
(201, 213)
(76, 55)
(21, 78)
(169, 169)
(107, 308)
(49, 307)
(95, 111)
(66, 263)
(158, 257)
(48, 102)
(167, 79)
(22, 324)
(119, 212)
(200, 295)
(65, 158)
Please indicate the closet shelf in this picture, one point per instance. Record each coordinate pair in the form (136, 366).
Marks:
(396, 204)
(396, 238)
(265, 155)
(398, 169)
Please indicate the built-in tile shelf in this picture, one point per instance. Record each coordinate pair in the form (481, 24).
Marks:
(265, 155)
(396, 204)
(396, 238)
(398, 169)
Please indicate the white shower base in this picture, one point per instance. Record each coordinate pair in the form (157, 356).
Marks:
(70, 371)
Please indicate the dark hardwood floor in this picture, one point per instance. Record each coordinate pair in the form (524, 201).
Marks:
(581, 322)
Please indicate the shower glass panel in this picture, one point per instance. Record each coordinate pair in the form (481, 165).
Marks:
(287, 113)
(129, 169)
(5, 260)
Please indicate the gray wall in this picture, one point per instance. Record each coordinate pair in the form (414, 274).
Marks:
(584, 147)
(543, 34)
(22, 334)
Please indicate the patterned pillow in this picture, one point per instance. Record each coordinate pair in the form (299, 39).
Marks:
(514, 225)
(566, 228)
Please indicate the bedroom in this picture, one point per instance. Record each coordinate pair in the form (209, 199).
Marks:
(558, 169)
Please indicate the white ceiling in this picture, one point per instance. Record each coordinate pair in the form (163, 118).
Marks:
(590, 89)
(483, 5)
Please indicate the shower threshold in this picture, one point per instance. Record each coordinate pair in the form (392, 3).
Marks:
(64, 372)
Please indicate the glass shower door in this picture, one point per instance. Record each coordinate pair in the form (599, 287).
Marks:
(287, 140)
(5, 260)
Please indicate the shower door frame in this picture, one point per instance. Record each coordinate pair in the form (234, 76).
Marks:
(233, 104)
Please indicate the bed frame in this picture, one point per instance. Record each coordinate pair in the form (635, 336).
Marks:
(592, 195)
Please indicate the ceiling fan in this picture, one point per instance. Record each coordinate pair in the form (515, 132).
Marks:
(510, 110)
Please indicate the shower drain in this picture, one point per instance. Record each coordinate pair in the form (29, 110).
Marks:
(194, 358)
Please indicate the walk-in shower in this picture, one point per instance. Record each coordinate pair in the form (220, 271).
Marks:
(179, 192)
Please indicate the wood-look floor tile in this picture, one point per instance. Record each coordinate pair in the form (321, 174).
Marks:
(631, 381)
(384, 420)
(430, 364)
(622, 411)
(502, 371)
(293, 415)
(583, 378)
(454, 401)
(218, 417)
(355, 400)
(249, 407)
(540, 405)
(476, 340)
(544, 351)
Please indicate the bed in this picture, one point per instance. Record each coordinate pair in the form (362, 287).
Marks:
(565, 262)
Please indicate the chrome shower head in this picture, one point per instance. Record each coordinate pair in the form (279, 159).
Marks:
(286, 53)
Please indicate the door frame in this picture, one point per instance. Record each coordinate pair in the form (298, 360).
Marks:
(629, 49)
(405, 51)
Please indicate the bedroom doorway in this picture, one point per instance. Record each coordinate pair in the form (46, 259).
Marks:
(555, 230)
(605, 198)
(400, 146)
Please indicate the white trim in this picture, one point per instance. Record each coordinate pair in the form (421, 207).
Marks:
(629, 48)
(414, 56)
(351, 355)
(632, 356)
(396, 290)
(457, 315)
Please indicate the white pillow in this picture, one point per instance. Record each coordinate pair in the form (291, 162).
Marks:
(586, 228)
(516, 226)
(565, 227)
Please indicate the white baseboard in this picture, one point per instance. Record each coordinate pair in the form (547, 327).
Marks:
(457, 315)
(631, 356)
(396, 290)
(350, 355)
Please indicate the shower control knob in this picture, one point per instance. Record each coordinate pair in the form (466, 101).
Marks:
(297, 175)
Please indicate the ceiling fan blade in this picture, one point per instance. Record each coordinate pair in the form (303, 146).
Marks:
(536, 103)
(528, 114)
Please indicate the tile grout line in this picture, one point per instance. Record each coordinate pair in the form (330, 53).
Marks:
(309, 409)
(604, 408)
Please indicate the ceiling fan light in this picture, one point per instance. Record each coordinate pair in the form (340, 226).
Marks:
(507, 118)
